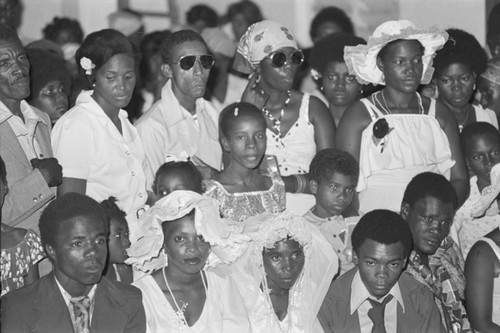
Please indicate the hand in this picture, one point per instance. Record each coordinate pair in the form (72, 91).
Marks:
(50, 169)
(253, 92)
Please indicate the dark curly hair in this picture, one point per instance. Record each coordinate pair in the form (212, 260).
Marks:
(248, 9)
(100, 46)
(382, 226)
(177, 38)
(461, 48)
(112, 210)
(331, 48)
(430, 184)
(202, 13)
(328, 161)
(477, 129)
(64, 208)
(229, 116)
(186, 169)
(331, 14)
(58, 25)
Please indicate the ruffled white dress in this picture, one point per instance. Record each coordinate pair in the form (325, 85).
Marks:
(223, 310)
(415, 144)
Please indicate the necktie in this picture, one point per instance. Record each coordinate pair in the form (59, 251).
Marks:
(81, 310)
(376, 314)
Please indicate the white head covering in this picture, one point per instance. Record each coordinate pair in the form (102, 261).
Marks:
(361, 60)
(260, 40)
(226, 244)
(306, 296)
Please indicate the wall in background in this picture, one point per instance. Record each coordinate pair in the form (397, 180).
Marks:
(469, 15)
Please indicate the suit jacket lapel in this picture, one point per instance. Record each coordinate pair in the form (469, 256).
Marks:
(107, 316)
(50, 304)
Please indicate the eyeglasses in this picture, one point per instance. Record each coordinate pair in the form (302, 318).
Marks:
(187, 62)
(280, 58)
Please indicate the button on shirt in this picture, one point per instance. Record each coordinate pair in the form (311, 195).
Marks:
(359, 302)
(89, 146)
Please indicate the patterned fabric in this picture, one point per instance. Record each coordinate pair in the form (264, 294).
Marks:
(16, 261)
(260, 40)
(240, 206)
(445, 278)
(81, 310)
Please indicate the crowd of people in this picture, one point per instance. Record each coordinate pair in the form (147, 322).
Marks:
(204, 180)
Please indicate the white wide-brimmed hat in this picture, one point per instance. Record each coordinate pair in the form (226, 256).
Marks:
(361, 60)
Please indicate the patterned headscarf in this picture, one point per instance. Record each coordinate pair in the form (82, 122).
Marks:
(492, 72)
(260, 40)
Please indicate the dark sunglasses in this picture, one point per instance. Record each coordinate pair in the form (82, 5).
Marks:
(187, 62)
(280, 58)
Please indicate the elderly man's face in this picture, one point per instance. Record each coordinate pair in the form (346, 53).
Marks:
(429, 220)
(14, 72)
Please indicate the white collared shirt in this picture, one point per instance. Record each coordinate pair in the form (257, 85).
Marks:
(359, 302)
(67, 299)
(24, 130)
(89, 146)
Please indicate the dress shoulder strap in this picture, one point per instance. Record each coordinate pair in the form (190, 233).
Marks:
(432, 108)
(372, 109)
(493, 245)
(304, 107)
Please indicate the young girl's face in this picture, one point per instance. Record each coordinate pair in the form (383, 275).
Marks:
(482, 154)
(333, 195)
(283, 264)
(115, 82)
(186, 250)
(118, 241)
(456, 85)
(174, 180)
(246, 141)
(52, 99)
(339, 86)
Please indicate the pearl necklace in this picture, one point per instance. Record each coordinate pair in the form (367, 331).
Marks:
(277, 122)
(181, 319)
(386, 108)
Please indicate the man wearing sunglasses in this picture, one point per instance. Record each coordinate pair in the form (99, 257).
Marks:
(182, 121)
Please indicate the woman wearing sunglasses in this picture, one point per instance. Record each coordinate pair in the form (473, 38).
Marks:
(298, 124)
(182, 121)
(396, 133)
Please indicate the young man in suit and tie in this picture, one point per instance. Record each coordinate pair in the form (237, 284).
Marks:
(75, 297)
(374, 296)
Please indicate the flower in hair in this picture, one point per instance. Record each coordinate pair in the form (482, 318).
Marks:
(87, 65)
(182, 157)
(315, 74)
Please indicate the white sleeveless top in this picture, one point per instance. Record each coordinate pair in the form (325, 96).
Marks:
(496, 283)
(297, 148)
(415, 144)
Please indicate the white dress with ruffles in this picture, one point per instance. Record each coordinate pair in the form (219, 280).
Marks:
(415, 144)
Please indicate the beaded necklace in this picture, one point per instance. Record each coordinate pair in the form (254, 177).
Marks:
(181, 319)
(277, 122)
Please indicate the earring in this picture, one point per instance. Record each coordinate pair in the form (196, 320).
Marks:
(93, 85)
(165, 256)
(383, 78)
(474, 88)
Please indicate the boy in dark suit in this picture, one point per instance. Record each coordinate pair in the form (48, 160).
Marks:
(75, 297)
(374, 296)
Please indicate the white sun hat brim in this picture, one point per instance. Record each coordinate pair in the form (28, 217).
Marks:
(361, 60)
